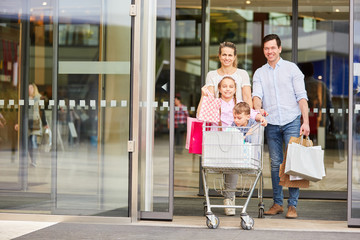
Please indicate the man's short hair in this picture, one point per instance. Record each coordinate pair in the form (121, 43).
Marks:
(271, 37)
(242, 107)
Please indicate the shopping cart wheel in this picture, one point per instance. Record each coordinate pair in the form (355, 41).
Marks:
(261, 210)
(212, 221)
(248, 224)
(261, 213)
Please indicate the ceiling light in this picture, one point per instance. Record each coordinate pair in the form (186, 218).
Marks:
(44, 3)
(248, 2)
(337, 10)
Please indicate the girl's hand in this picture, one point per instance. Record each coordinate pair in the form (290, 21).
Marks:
(205, 89)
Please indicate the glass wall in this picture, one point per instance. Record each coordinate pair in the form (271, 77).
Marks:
(72, 87)
(354, 172)
(323, 58)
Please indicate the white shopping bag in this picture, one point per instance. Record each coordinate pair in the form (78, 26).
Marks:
(295, 178)
(305, 162)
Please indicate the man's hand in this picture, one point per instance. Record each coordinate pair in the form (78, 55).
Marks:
(305, 129)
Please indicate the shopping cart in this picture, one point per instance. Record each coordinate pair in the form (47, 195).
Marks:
(236, 150)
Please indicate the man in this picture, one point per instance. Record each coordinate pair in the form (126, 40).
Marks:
(278, 87)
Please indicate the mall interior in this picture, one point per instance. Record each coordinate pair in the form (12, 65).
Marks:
(107, 72)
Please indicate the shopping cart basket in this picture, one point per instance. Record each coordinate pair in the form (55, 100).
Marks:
(236, 150)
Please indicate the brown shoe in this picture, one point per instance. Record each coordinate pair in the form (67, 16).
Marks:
(275, 209)
(291, 212)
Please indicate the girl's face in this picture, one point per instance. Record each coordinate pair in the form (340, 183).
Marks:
(227, 57)
(227, 88)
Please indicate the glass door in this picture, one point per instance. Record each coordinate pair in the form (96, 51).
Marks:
(93, 107)
(10, 166)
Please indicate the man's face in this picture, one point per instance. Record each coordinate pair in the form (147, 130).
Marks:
(241, 120)
(272, 51)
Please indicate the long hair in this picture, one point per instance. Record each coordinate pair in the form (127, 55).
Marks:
(229, 45)
(36, 90)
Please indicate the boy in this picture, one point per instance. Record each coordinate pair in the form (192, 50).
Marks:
(241, 113)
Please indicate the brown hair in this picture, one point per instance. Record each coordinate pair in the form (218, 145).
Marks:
(269, 38)
(242, 107)
(229, 45)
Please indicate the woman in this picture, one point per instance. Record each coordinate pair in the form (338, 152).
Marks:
(36, 122)
(228, 59)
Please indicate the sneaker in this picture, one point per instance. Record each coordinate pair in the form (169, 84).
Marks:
(275, 209)
(291, 212)
(33, 165)
(229, 211)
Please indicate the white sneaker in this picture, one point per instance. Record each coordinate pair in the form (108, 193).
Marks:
(229, 211)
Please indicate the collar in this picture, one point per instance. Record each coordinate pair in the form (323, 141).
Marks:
(278, 64)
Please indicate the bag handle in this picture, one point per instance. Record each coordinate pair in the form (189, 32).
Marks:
(307, 139)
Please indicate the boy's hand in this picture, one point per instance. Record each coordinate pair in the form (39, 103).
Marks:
(263, 122)
(263, 112)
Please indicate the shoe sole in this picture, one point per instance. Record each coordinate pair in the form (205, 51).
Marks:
(272, 214)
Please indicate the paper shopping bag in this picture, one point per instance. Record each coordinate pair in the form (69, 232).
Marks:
(210, 109)
(190, 120)
(305, 162)
(195, 143)
(285, 178)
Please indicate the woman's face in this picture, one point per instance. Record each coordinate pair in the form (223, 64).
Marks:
(227, 88)
(31, 90)
(227, 57)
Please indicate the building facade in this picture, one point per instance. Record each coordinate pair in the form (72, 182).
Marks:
(100, 138)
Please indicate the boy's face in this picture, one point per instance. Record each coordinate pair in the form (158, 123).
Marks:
(242, 119)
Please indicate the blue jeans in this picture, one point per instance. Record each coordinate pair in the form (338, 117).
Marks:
(277, 135)
(33, 148)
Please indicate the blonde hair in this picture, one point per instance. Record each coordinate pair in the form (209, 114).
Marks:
(36, 90)
(229, 45)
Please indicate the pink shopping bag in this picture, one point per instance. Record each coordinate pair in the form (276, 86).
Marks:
(195, 144)
(190, 120)
(210, 109)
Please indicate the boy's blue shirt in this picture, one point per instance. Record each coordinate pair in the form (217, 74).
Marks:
(245, 129)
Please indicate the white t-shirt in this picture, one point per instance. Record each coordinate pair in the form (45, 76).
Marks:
(241, 78)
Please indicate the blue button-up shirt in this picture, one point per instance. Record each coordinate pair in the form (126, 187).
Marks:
(280, 90)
